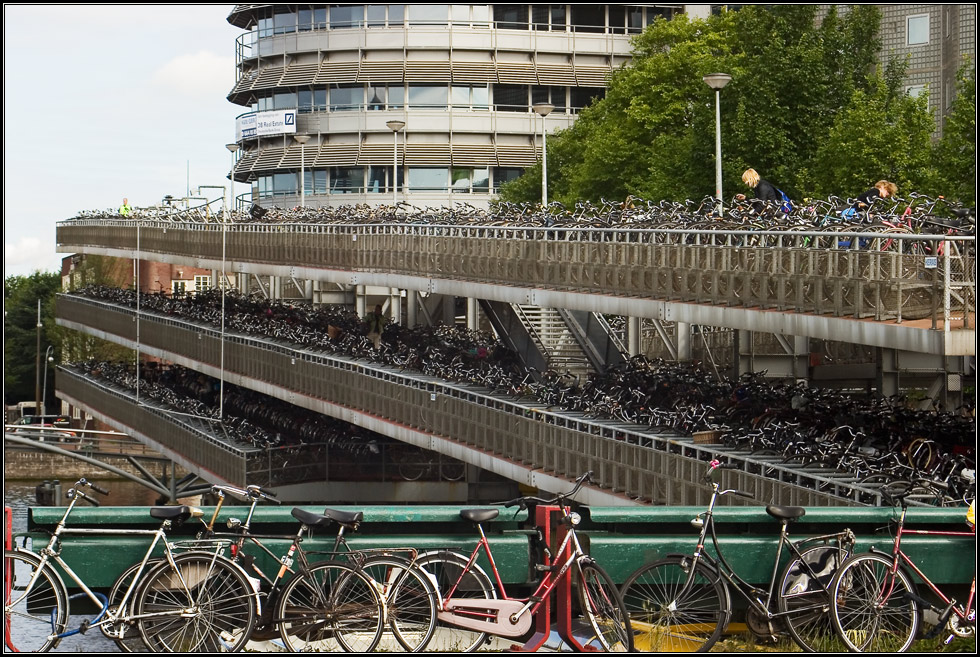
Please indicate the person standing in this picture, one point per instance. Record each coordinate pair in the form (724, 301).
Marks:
(375, 325)
(125, 209)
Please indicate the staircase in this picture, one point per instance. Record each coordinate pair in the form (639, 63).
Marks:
(563, 351)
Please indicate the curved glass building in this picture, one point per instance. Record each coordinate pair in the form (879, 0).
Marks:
(429, 104)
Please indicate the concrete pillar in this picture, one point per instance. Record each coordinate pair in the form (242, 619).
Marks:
(683, 341)
(360, 301)
(472, 314)
(412, 308)
(243, 282)
(634, 335)
(396, 305)
(275, 288)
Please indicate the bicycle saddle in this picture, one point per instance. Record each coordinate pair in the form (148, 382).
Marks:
(479, 515)
(348, 519)
(786, 512)
(310, 518)
(178, 513)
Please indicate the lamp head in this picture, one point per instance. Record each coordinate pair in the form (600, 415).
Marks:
(543, 109)
(395, 126)
(717, 81)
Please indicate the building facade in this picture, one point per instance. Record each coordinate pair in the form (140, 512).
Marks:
(434, 104)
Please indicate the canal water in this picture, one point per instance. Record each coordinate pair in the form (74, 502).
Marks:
(19, 495)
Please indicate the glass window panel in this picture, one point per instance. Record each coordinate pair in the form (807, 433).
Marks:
(320, 18)
(428, 14)
(305, 100)
(428, 96)
(481, 180)
(540, 95)
(319, 181)
(376, 97)
(396, 15)
(377, 180)
(265, 27)
(285, 183)
(918, 30)
(583, 96)
(461, 180)
(376, 15)
(588, 18)
(510, 98)
(428, 178)
(481, 98)
(460, 96)
(481, 14)
(396, 97)
(285, 101)
(540, 16)
(346, 16)
(617, 19)
(320, 99)
(308, 182)
(510, 17)
(502, 175)
(460, 13)
(915, 90)
(284, 23)
(346, 98)
(346, 180)
(305, 19)
(634, 19)
(558, 18)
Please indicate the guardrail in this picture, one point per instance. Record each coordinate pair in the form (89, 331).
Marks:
(841, 274)
(644, 464)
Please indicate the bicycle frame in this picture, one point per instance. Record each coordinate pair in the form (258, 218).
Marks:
(512, 618)
(899, 558)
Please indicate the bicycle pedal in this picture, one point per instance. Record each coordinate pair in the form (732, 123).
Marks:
(541, 568)
(83, 628)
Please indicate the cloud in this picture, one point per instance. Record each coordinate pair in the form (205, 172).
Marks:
(202, 75)
(27, 255)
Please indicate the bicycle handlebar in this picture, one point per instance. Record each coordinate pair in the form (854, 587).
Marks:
(75, 490)
(523, 502)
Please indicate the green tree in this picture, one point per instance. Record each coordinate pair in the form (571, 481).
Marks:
(21, 295)
(955, 155)
(881, 134)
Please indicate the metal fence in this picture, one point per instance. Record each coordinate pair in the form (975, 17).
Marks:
(860, 275)
(648, 465)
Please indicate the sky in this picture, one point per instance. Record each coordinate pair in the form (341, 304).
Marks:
(103, 102)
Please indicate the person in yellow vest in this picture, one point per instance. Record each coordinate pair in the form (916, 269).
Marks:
(125, 209)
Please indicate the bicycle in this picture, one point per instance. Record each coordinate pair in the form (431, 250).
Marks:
(876, 605)
(683, 601)
(405, 597)
(472, 607)
(197, 601)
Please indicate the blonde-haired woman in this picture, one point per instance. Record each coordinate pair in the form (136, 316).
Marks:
(764, 190)
(882, 189)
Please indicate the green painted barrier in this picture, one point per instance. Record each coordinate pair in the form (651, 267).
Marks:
(620, 538)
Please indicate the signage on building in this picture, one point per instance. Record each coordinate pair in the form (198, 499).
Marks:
(263, 124)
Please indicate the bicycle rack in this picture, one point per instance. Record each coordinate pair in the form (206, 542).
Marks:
(542, 619)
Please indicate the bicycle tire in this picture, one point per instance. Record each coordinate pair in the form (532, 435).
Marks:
(216, 588)
(125, 633)
(446, 568)
(330, 606)
(804, 598)
(32, 618)
(603, 606)
(411, 601)
(867, 620)
(669, 615)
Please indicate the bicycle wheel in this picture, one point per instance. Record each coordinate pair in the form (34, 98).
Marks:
(35, 604)
(124, 632)
(804, 599)
(201, 603)
(410, 601)
(874, 610)
(604, 609)
(448, 570)
(675, 607)
(330, 606)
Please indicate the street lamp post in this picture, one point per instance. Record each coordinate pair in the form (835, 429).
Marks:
(44, 389)
(233, 148)
(301, 140)
(395, 127)
(543, 110)
(717, 81)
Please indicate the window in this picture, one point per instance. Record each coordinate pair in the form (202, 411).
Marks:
(472, 97)
(918, 30)
(285, 183)
(380, 97)
(471, 180)
(178, 288)
(431, 179)
(202, 283)
(915, 90)
(583, 96)
(588, 18)
(284, 101)
(548, 17)
(346, 16)
(346, 97)
(510, 98)
(429, 14)
(346, 180)
(315, 181)
(503, 175)
(428, 96)
(284, 23)
(510, 17)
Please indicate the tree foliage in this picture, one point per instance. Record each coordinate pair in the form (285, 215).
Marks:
(955, 154)
(21, 295)
(798, 89)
